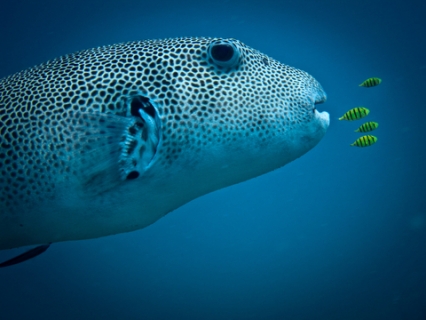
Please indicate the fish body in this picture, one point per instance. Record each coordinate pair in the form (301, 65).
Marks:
(367, 127)
(364, 141)
(371, 82)
(355, 114)
(111, 139)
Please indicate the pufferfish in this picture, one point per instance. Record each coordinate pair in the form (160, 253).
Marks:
(111, 139)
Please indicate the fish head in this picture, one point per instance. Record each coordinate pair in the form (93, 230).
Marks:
(229, 112)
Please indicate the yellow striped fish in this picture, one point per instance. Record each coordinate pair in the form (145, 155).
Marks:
(364, 141)
(355, 114)
(367, 127)
(371, 82)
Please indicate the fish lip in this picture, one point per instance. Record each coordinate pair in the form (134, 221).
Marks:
(320, 100)
(324, 117)
(320, 97)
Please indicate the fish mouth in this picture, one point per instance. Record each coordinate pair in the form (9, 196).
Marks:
(320, 99)
(320, 96)
(323, 117)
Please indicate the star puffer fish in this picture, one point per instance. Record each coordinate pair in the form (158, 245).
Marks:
(111, 139)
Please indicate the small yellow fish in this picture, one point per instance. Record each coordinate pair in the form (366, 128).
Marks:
(355, 114)
(371, 82)
(364, 141)
(367, 127)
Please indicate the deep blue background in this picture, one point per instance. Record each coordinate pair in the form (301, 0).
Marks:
(338, 234)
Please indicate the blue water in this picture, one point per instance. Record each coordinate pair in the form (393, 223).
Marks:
(338, 234)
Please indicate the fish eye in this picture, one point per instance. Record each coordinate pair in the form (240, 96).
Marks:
(224, 54)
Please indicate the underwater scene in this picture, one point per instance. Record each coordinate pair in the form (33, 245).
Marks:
(213, 160)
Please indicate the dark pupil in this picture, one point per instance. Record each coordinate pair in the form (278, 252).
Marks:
(132, 175)
(222, 52)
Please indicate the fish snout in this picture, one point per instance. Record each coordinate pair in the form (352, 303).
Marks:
(319, 97)
(315, 93)
(324, 119)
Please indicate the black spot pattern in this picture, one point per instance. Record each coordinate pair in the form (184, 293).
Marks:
(199, 103)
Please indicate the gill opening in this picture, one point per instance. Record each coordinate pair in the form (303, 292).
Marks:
(143, 137)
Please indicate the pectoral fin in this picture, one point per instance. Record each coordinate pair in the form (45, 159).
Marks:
(109, 149)
(25, 256)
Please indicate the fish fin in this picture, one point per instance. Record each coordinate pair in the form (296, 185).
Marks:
(27, 255)
(109, 149)
(341, 118)
(95, 140)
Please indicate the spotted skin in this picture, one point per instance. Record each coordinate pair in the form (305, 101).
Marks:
(110, 139)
